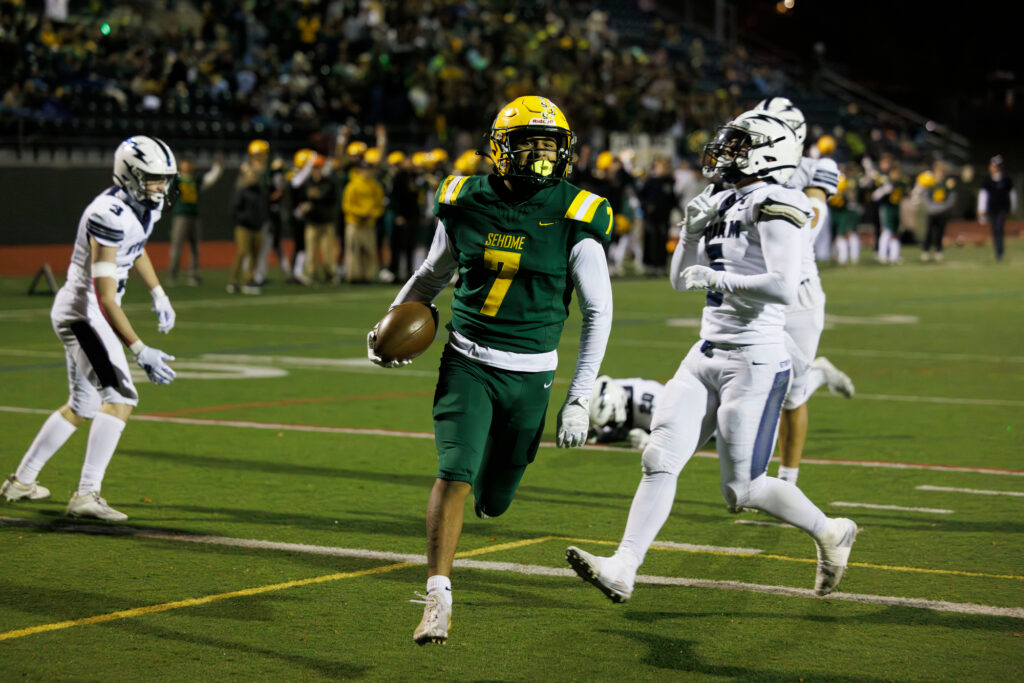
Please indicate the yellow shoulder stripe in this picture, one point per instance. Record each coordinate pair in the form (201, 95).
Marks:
(450, 188)
(457, 187)
(583, 206)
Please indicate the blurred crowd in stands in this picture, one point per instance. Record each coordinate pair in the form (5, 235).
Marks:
(362, 106)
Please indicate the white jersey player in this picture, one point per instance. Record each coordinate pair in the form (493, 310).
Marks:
(89, 321)
(622, 409)
(735, 377)
(818, 179)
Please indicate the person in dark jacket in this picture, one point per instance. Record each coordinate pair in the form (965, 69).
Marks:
(997, 199)
(657, 199)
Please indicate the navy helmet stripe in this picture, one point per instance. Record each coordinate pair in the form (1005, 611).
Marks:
(164, 149)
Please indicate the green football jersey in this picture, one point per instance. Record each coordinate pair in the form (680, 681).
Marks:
(514, 285)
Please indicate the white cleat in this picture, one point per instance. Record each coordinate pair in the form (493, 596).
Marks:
(838, 381)
(604, 572)
(91, 505)
(437, 619)
(834, 553)
(13, 490)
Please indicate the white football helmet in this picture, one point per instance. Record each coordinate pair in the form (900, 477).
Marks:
(608, 403)
(140, 159)
(782, 108)
(753, 144)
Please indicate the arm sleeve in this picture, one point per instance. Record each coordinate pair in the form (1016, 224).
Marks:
(780, 244)
(303, 173)
(589, 268)
(881, 192)
(434, 274)
(211, 176)
(104, 231)
(982, 201)
(688, 253)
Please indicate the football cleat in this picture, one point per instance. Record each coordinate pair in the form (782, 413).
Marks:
(12, 490)
(834, 553)
(838, 381)
(437, 619)
(610, 577)
(91, 505)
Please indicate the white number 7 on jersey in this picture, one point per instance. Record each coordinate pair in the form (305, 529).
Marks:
(507, 265)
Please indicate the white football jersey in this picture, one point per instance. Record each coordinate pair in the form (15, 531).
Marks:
(732, 243)
(643, 395)
(113, 221)
(823, 174)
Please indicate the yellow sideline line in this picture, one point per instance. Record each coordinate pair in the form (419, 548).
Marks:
(245, 592)
(885, 567)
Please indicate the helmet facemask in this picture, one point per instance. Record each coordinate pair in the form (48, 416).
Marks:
(726, 155)
(539, 155)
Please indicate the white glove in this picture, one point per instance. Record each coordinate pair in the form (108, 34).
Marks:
(371, 337)
(699, 212)
(573, 422)
(701, 277)
(164, 313)
(154, 362)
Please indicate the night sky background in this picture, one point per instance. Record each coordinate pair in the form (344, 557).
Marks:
(954, 63)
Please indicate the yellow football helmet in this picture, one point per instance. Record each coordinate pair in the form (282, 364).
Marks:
(421, 159)
(396, 158)
(302, 157)
(467, 162)
(259, 147)
(826, 144)
(373, 156)
(529, 117)
(604, 160)
(356, 148)
(926, 179)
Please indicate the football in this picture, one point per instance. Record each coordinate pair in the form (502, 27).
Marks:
(406, 331)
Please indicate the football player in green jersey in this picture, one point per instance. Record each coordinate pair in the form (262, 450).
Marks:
(521, 240)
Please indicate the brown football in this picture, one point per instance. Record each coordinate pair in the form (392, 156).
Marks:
(406, 331)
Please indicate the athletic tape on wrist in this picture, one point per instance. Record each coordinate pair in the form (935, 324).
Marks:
(157, 292)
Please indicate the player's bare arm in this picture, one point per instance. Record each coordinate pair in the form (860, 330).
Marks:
(104, 261)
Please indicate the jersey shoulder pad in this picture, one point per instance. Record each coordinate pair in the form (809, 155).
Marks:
(592, 211)
(826, 176)
(784, 203)
(103, 220)
(452, 189)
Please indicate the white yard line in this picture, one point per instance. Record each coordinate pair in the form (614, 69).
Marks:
(528, 569)
(248, 424)
(898, 508)
(980, 492)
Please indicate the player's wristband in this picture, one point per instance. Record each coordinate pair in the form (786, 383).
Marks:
(136, 347)
(157, 292)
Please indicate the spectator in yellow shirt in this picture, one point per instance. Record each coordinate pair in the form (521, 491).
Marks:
(362, 203)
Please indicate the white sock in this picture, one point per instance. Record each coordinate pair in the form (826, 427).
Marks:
(52, 435)
(440, 584)
(103, 437)
(854, 247)
(785, 501)
(894, 250)
(883, 245)
(842, 251)
(651, 506)
(815, 380)
(789, 474)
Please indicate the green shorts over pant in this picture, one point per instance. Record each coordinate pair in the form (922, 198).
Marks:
(487, 427)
